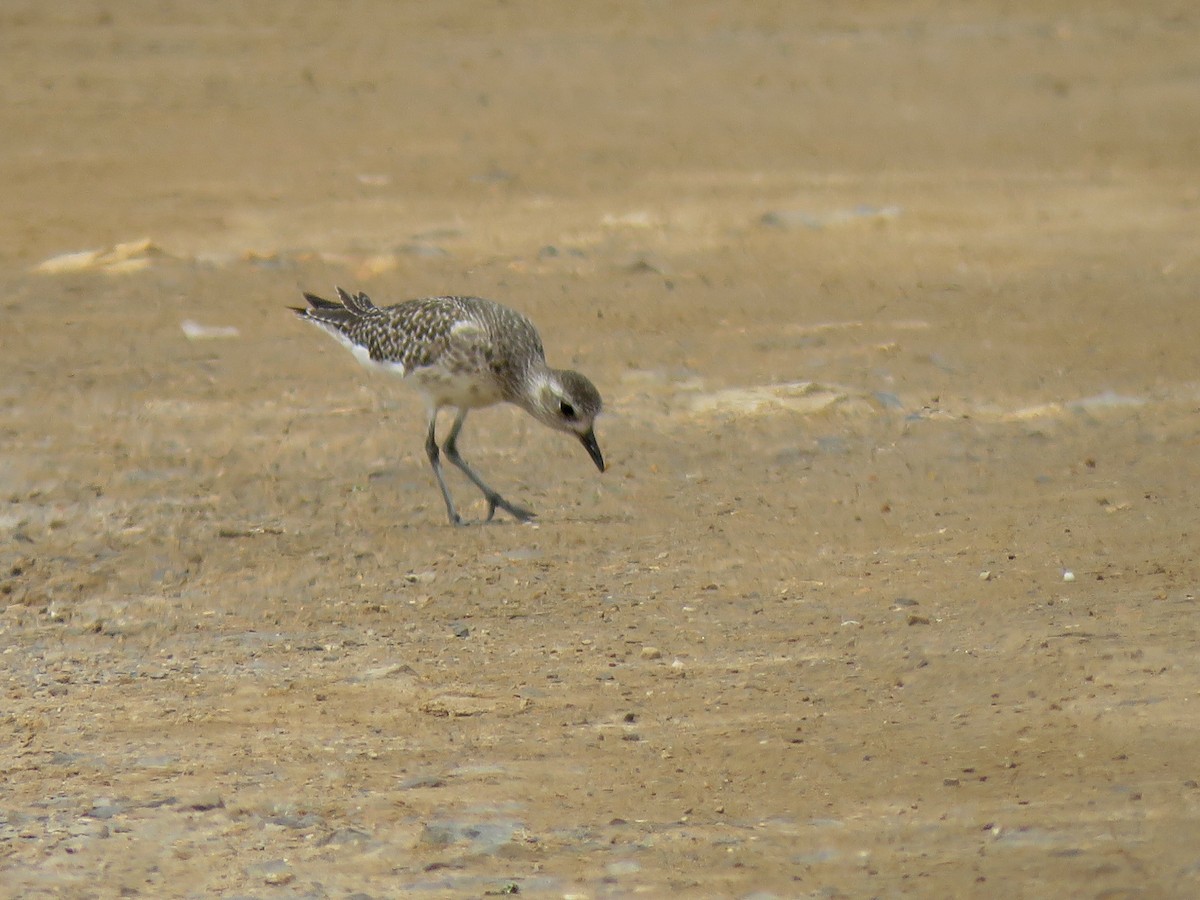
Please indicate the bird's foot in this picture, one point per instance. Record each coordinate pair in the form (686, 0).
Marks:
(519, 513)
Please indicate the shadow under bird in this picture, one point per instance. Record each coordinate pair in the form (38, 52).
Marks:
(465, 353)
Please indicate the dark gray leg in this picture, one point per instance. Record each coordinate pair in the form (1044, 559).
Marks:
(493, 499)
(431, 450)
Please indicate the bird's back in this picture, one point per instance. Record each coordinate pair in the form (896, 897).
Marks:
(459, 334)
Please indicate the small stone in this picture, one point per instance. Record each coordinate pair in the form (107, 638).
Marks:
(344, 837)
(386, 672)
(297, 822)
(651, 653)
(104, 809)
(87, 828)
(205, 801)
(439, 835)
(275, 871)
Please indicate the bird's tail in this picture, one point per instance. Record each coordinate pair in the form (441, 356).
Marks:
(338, 313)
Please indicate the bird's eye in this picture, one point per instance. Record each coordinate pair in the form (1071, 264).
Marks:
(566, 409)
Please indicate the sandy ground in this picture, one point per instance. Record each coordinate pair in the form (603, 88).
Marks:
(890, 588)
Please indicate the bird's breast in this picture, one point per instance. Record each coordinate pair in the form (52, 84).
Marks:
(449, 388)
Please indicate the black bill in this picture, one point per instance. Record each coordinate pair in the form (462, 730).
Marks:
(589, 443)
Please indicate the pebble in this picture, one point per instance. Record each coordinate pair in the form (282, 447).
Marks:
(440, 835)
(651, 653)
(309, 820)
(344, 837)
(205, 801)
(104, 809)
(275, 871)
(87, 828)
(385, 672)
(480, 837)
(75, 844)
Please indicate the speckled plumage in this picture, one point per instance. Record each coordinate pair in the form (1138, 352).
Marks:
(463, 352)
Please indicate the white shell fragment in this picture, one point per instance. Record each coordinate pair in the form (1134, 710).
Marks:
(194, 331)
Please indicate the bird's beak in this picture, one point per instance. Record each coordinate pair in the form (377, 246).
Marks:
(589, 443)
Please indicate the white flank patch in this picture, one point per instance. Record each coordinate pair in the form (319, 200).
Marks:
(363, 355)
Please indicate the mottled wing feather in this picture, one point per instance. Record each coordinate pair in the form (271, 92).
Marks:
(458, 333)
(411, 335)
(521, 347)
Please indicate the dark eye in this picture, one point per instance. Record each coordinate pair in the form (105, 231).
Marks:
(566, 409)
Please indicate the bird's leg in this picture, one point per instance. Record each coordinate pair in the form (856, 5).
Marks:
(431, 450)
(494, 500)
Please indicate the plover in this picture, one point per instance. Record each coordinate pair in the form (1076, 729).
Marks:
(466, 353)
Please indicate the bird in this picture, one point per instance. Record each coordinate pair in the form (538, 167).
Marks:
(463, 353)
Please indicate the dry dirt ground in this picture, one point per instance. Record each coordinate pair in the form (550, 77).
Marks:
(890, 588)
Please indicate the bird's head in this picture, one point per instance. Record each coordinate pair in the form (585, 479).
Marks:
(567, 401)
